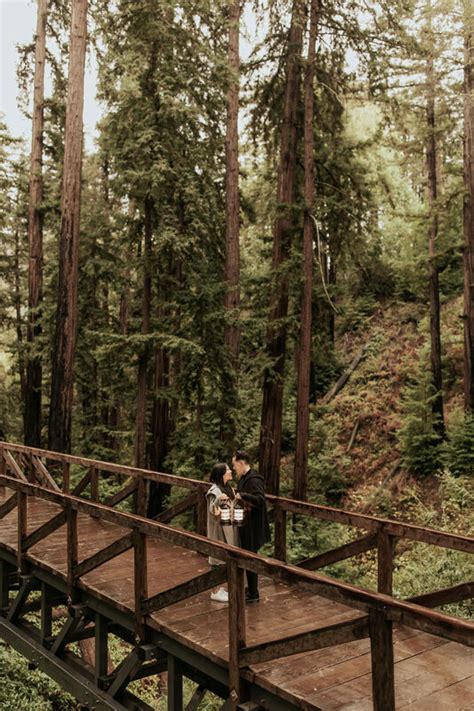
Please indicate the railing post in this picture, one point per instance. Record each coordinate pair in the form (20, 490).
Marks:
(237, 632)
(175, 684)
(101, 646)
(94, 484)
(140, 497)
(3, 470)
(385, 549)
(381, 647)
(66, 477)
(46, 613)
(140, 579)
(280, 533)
(72, 552)
(22, 528)
(201, 513)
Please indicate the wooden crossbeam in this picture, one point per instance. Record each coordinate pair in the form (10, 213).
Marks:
(44, 474)
(9, 505)
(185, 590)
(43, 531)
(29, 584)
(121, 494)
(178, 508)
(339, 633)
(13, 466)
(82, 485)
(112, 551)
(196, 699)
(446, 596)
(348, 550)
(78, 614)
(125, 673)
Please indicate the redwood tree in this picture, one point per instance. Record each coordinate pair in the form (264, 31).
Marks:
(64, 343)
(433, 284)
(232, 253)
(304, 346)
(272, 406)
(468, 208)
(32, 418)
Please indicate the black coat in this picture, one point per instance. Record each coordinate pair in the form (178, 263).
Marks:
(256, 530)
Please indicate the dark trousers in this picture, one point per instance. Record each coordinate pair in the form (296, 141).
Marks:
(252, 578)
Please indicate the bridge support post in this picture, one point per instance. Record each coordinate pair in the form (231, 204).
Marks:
(175, 684)
(383, 675)
(101, 646)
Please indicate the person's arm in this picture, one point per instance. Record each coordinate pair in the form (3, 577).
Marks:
(256, 495)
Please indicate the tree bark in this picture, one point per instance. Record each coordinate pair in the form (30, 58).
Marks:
(232, 253)
(433, 283)
(32, 418)
(300, 485)
(160, 431)
(64, 343)
(140, 427)
(272, 406)
(468, 208)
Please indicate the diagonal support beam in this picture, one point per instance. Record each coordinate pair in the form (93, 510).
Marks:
(13, 466)
(44, 474)
(9, 505)
(339, 633)
(79, 613)
(185, 590)
(122, 494)
(30, 583)
(178, 508)
(360, 545)
(43, 531)
(125, 673)
(114, 549)
(445, 596)
(83, 484)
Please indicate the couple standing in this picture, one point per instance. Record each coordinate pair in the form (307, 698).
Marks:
(255, 530)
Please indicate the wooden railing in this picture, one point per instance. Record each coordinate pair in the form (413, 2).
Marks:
(42, 466)
(378, 611)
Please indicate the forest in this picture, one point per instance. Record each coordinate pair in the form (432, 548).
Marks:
(269, 247)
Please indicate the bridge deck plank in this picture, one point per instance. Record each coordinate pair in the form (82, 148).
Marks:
(429, 671)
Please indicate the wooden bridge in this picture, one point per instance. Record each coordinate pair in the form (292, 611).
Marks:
(312, 642)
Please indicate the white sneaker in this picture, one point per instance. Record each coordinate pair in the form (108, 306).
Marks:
(220, 596)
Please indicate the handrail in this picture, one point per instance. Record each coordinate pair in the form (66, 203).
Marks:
(379, 610)
(390, 527)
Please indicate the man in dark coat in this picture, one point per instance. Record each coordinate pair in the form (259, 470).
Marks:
(256, 530)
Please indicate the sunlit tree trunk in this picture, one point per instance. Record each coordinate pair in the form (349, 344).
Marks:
(32, 419)
(468, 207)
(433, 284)
(272, 406)
(64, 343)
(140, 425)
(304, 346)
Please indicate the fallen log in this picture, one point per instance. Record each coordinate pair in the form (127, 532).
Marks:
(354, 434)
(337, 387)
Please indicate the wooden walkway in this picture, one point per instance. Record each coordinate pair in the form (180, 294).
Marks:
(429, 671)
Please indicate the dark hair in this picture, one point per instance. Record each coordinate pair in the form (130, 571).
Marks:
(217, 477)
(242, 456)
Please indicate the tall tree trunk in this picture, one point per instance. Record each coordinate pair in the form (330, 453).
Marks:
(468, 207)
(300, 486)
(140, 427)
(160, 431)
(64, 343)
(18, 319)
(232, 253)
(272, 406)
(232, 246)
(32, 419)
(432, 175)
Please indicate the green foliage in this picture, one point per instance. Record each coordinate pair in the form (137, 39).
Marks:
(458, 454)
(26, 689)
(420, 443)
